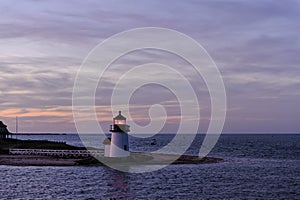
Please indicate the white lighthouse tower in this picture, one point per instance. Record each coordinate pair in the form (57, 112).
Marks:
(119, 137)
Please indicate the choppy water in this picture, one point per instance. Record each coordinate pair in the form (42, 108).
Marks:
(255, 167)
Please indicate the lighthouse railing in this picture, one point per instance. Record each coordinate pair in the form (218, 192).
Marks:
(119, 128)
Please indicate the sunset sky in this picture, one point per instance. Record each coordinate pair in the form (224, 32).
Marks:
(255, 44)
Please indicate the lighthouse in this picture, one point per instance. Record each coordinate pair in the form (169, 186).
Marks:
(119, 146)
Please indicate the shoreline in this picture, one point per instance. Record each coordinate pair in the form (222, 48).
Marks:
(35, 160)
(135, 158)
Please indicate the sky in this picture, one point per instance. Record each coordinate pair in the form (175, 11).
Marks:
(255, 44)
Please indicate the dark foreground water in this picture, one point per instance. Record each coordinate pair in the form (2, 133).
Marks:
(255, 167)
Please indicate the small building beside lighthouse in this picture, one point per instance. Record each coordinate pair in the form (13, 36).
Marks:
(107, 143)
(119, 145)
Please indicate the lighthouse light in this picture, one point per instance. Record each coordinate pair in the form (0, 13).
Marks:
(120, 122)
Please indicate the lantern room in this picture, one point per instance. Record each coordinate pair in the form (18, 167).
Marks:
(120, 119)
(119, 124)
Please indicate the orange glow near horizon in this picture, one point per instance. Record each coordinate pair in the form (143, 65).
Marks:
(37, 118)
(33, 112)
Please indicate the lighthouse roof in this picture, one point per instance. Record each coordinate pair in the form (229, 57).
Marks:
(120, 117)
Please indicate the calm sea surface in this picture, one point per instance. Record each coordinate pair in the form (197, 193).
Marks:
(261, 166)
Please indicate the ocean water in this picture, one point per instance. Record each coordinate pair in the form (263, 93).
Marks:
(256, 166)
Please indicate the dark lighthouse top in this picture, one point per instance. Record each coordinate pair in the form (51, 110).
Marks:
(119, 124)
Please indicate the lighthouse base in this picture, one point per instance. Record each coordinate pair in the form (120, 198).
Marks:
(119, 145)
(116, 152)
